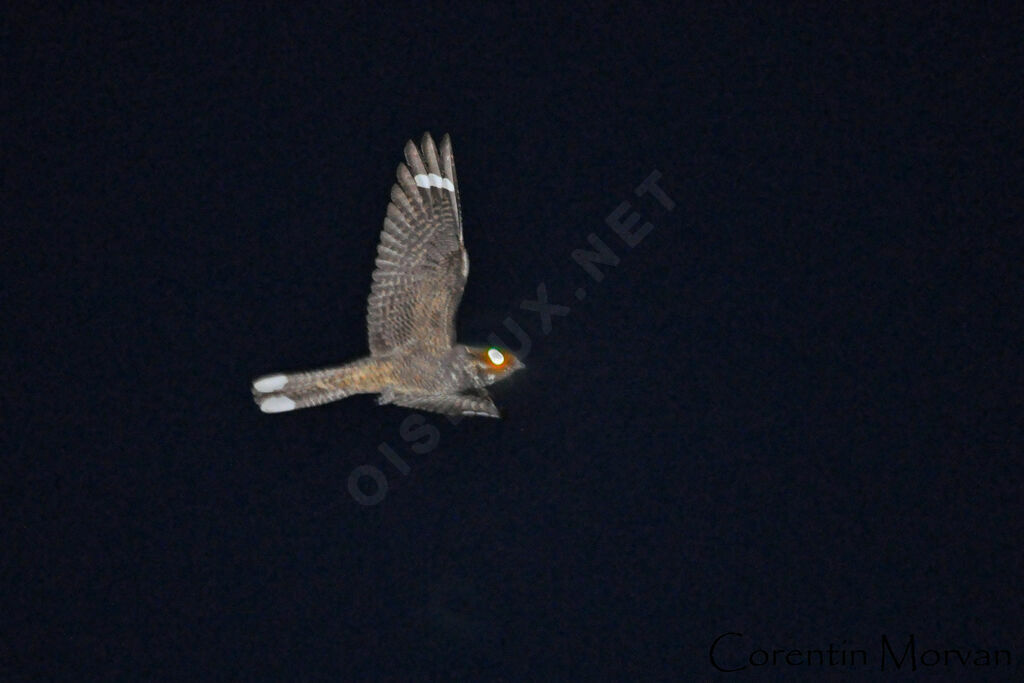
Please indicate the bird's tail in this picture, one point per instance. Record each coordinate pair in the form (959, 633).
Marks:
(283, 392)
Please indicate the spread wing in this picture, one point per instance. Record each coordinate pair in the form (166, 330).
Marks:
(421, 262)
(468, 403)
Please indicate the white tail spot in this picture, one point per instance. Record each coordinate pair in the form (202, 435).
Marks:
(265, 385)
(277, 404)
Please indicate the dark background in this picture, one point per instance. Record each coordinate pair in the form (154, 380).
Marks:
(792, 411)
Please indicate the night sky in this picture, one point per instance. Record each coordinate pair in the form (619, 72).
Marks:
(792, 410)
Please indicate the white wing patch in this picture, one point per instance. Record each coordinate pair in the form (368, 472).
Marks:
(434, 180)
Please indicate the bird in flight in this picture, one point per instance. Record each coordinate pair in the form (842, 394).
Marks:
(420, 273)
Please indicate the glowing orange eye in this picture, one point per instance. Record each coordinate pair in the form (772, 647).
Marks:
(496, 357)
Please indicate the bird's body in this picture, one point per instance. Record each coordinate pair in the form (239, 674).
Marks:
(421, 272)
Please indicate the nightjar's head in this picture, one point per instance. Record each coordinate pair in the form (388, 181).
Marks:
(492, 364)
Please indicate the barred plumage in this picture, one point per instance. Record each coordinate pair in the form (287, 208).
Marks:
(420, 274)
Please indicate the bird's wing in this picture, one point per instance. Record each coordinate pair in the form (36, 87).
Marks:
(421, 261)
(467, 403)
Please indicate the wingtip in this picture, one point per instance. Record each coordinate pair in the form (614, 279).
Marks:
(480, 413)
